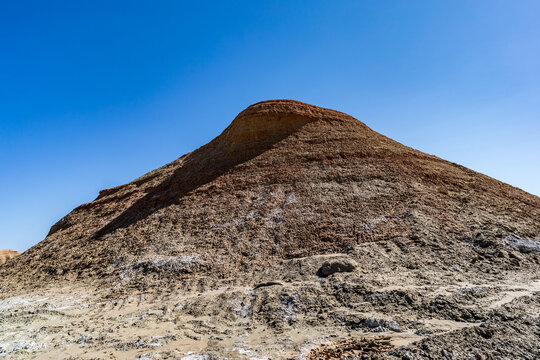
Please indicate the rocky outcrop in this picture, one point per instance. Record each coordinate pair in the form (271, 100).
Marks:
(6, 254)
(336, 266)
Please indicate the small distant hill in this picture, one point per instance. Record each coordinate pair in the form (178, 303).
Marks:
(6, 254)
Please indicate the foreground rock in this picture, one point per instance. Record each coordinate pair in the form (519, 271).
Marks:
(384, 309)
(297, 233)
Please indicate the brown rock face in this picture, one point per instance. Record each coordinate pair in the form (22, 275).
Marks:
(6, 254)
(284, 180)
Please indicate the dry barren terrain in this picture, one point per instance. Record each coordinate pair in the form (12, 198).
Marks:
(298, 233)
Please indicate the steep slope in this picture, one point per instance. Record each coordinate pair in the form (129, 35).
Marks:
(284, 180)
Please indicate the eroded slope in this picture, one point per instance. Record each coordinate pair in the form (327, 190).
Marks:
(284, 180)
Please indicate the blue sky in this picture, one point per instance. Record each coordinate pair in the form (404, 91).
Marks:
(95, 93)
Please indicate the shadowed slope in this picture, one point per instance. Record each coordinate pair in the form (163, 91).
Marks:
(242, 141)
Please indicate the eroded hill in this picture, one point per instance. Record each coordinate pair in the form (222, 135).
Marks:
(298, 232)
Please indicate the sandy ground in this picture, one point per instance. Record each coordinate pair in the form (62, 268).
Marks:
(287, 318)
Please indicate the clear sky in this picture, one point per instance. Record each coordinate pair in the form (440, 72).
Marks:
(95, 93)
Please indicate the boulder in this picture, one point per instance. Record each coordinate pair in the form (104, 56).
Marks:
(334, 266)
